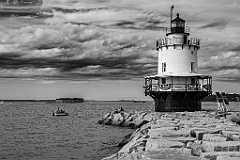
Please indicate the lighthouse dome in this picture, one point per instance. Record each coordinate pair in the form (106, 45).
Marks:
(178, 19)
(178, 26)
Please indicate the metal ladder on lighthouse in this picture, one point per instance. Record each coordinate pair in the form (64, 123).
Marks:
(222, 103)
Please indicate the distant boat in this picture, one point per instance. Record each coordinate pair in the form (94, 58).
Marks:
(60, 112)
(1, 102)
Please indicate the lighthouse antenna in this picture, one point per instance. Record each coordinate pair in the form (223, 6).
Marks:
(171, 15)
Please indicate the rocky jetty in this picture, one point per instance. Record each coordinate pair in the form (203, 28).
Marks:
(121, 118)
(183, 136)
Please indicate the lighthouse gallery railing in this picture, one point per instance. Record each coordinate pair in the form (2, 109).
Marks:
(188, 87)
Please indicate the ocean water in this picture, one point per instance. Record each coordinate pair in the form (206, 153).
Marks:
(28, 131)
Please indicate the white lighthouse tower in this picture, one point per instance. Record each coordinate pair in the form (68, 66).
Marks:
(178, 86)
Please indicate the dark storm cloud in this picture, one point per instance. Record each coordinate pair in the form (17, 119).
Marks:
(138, 25)
(107, 67)
(20, 2)
(10, 12)
(108, 40)
(217, 24)
(20, 8)
(74, 52)
(83, 10)
(237, 49)
(149, 21)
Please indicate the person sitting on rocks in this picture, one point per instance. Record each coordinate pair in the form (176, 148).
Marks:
(121, 109)
(116, 111)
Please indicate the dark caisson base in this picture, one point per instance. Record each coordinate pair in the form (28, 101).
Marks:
(178, 101)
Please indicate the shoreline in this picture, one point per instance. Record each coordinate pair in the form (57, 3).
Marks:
(183, 135)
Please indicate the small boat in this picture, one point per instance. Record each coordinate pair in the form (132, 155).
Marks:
(60, 112)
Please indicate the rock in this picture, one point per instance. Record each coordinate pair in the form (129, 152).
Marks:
(181, 135)
(106, 119)
(227, 146)
(234, 118)
(225, 157)
(128, 121)
(158, 144)
(125, 140)
(215, 155)
(133, 144)
(100, 121)
(161, 123)
(214, 137)
(168, 132)
(133, 120)
(184, 140)
(199, 132)
(112, 157)
(117, 119)
(138, 120)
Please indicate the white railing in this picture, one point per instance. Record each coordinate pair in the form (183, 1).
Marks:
(172, 41)
(178, 87)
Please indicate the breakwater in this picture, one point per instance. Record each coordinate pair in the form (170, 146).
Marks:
(183, 135)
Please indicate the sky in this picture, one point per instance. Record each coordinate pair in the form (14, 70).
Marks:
(103, 49)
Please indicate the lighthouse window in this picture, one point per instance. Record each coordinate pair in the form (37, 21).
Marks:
(173, 24)
(192, 67)
(192, 81)
(163, 80)
(164, 66)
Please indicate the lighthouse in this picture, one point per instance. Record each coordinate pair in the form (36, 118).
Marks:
(177, 86)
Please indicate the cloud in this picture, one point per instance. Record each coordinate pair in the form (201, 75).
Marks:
(10, 8)
(224, 66)
(72, 52)
(88, 39)
(218, 24)
(236, 49)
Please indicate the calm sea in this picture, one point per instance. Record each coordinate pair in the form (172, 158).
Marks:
(28, 131)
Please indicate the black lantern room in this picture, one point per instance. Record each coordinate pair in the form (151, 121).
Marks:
(177, 26)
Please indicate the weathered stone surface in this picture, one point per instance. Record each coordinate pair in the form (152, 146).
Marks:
(134, 120)
(215, 155)
(168, 132)
(225, 157)
(161, 123)
(234, 138)
(117, 119)
(214, 137)
(125, 140)
(196, 147)
(170, 154)
(184, 140)
(228, 146)
(181, 135)
(231, 135)
(157, 144)
(234, 117)
(132, 145)
(228, 133)
(199, 132)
